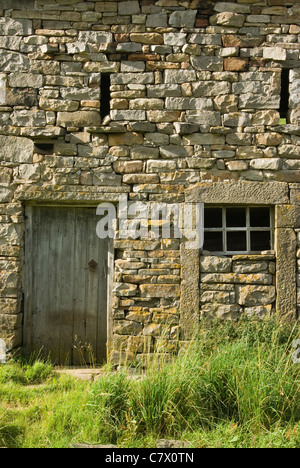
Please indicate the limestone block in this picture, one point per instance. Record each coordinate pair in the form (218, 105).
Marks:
(13, 61)
(231, 7)
(26, 80)
(207, 63)
(147, 38)
(131, 7)
(128, 167)
(237, 119)
(254, 278)
(185, 103)
(141, 179)
(203, 39)
(287, 216)
(270, 164)
(260, 312)
(236, 165)
(258, 101)
(124, 289)
(249, 152)
(157, 20)
(220, 311)
(3, 84)
(78, 119)
(173, 152)
(219, 297)
(16, 149)
(126, 327)
(9, 281)
(289, 151)
(146, 104)
(128, 139)
(274, 53)
(144, 152)
(101, 178)
(161, 116)
(225, 104)
(236, 64)
(255, 295)
(161, 166)
(175, 39)
(266, 117)
(80, 94)
(137, 314)
(29, 172)
(5, 175)
(239, 192)
(15, 27)
(258, 19)
(183, 19)
(180, 76)
(10, 321)
(135, 115)
(250, 267)
(95, 37)
(294, 92)
(203, 139)
(128, 47)
(28, 118)
(160, 290)
(228, 19)
(58, 105)
(132, 78)
(165, 90)
(132, 67)
(6, 194)
(211, 88)
(215, 264)
(9, 306)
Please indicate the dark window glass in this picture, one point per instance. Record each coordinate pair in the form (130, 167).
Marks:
(213, 217)
(236, 217)
(285, 93)
(260, 240)
(259, 217)
(236, 241)
(105, 95)
(213, 241)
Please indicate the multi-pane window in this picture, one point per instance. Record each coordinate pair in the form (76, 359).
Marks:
(230, 230)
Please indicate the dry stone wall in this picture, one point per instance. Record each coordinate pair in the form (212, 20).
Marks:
(196, 91)
(237, 286)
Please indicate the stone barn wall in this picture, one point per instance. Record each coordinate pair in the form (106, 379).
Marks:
(204, 107)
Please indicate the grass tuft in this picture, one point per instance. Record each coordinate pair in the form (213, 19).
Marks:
(235, 386)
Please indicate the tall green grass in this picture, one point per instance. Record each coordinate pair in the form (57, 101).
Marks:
(235, 386)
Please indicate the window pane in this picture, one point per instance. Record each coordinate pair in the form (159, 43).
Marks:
(236, 241)
(260, 217)
(260, 240)
(213, 241)
(236, 217)
(212, 217)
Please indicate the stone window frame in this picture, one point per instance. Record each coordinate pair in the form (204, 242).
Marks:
(247, 229)
(287, 218)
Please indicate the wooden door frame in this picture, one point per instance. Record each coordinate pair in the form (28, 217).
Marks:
(28, 286)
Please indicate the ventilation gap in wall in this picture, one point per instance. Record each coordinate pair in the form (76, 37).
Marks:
(105, 95)
(44, 148)
(284, 96)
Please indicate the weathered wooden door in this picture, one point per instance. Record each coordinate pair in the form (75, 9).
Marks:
(65, 285)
